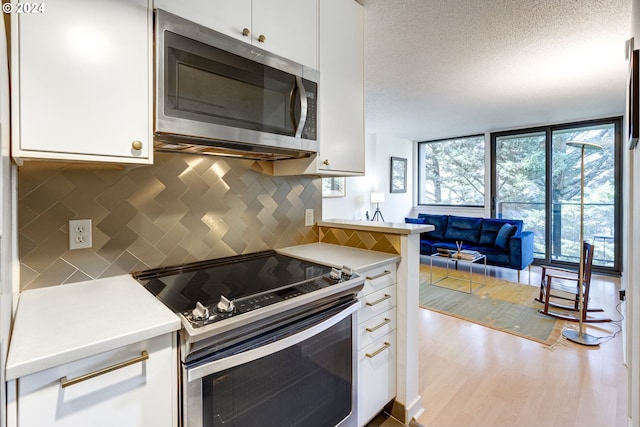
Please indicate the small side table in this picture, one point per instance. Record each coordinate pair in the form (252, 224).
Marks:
(479, 260)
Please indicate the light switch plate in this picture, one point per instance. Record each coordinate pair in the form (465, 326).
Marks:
(308, 217)
(80, 234)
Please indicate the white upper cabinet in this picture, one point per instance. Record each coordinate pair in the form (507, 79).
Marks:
(81, 82)
(287, 28)
(229, 17)
(341, 94)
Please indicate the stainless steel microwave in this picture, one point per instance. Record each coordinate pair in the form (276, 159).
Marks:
(218, 95)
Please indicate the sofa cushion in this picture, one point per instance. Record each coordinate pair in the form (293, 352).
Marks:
(505, 233)
(463, 228)
(438, 221)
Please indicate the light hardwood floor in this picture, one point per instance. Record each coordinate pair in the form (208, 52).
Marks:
(472, 376)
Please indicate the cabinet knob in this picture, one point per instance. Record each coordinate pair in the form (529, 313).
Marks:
(246, 32)
(136, 145)
(262, 38)
(326, 162)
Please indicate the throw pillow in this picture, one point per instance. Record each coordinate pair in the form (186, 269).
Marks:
(505, 233)
(414, 220)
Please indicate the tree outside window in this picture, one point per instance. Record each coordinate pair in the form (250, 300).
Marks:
(451, 171)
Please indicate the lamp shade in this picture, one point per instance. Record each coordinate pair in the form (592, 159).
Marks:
(377, 197)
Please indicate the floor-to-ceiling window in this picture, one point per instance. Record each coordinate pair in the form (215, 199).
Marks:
(536, 177)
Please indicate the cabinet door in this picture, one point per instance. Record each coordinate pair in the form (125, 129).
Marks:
(83, 78)
(289, 27)
(341, 97)
(139, 395)
(377, 377)
(230, 17)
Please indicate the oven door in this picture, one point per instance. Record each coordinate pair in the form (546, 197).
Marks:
(303, 374)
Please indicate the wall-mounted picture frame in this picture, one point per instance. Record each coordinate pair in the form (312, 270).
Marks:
(634, 98)
(398, 178)
(334, 187)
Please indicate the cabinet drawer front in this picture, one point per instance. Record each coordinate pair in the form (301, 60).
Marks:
(378, 278)
(377, 377)
(105, 399)
(376, 303)
(376, 327)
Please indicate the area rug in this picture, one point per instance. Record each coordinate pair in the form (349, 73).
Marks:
(499, 304)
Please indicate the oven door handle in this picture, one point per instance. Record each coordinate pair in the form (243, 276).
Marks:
(201, 371)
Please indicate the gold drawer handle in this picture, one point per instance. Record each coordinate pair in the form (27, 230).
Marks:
(384, 298)
(378, 351)
(375, 328)
(377, 276)
(64, 382)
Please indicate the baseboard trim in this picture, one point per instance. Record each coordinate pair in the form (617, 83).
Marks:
(405, 415)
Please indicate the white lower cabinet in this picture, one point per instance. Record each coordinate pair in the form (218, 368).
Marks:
(377, 377)
(376, 342)
(139, 394)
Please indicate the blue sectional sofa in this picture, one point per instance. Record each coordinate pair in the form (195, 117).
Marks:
(501, 240)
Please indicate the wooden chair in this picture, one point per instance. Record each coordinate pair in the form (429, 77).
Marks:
(559, 290)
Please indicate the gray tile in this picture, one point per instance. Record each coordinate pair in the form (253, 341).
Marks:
(181, 209)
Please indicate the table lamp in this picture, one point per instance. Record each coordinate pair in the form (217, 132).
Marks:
(377, 198)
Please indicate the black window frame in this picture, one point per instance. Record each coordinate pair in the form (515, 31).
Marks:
(617, 121)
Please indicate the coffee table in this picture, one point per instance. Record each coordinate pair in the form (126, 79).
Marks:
(477, 261)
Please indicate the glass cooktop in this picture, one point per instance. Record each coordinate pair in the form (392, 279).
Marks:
(181, 287)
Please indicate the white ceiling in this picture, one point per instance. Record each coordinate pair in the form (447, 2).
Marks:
(445, 68)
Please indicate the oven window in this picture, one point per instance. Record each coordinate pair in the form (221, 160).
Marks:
(309, 384)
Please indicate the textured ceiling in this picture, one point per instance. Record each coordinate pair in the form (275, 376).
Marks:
(444, 68)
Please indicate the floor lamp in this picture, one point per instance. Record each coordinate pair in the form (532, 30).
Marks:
(579, 336)
(377, 198)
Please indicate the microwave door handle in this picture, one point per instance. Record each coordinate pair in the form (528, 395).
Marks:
(302, 94)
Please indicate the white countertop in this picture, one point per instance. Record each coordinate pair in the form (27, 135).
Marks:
(381, 227)
(337, 256)
(64, 323)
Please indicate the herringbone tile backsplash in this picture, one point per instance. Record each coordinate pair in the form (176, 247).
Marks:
(183, 208)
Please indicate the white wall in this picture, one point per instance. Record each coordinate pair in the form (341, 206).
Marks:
(378, 152)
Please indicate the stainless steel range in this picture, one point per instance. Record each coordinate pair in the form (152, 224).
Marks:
(266, 340)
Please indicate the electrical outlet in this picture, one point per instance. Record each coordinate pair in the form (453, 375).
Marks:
(80, 234)
(308, 217)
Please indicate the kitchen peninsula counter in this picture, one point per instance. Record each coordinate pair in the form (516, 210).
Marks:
(380, 227)
(65, 323)
(339, 256)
